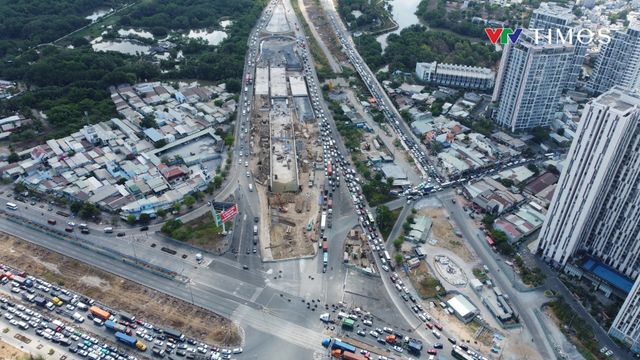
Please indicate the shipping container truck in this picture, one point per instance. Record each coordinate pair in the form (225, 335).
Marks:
(338, 344)
(22, 280)
(102, 314)
(174, 334)
(65, 298)
(325, 258)
(352, 356)
(131, 341)
(112, 325)
(127, 317)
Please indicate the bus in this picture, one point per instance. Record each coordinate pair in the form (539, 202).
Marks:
(12, 206)
(460, 354)
(386, 256)
(490, 241)
(370, 217)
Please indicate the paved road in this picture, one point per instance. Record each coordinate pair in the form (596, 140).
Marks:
(333, 63)
(476, 239)
(552, 282)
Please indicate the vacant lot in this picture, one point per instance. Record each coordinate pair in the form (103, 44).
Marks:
(443, 232)
(8, 352)
(201, 232)
(148, 304)
(424, 282)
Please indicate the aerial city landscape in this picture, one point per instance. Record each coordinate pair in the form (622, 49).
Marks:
(320, 179)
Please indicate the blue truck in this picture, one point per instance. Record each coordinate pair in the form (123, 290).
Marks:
(131, 341)
(338, 344)
(114, 326)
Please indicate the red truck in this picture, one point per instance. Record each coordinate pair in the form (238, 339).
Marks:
(325, 246)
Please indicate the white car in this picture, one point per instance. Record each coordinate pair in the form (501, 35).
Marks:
(385, 268)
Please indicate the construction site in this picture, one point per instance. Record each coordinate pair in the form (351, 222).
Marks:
(286, 154)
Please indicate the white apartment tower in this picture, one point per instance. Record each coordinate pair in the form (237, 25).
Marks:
(596, 206)
(618, 62)
(626, 326)
(555, 18)
(530, 80)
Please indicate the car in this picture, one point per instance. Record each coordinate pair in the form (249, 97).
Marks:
(398, 349)
(144, 228)
(246, 267)
(438, 346)
(120, 234)
(452, 340)
(429, 325)
(361, 333)
(609, 353)
(374, 333)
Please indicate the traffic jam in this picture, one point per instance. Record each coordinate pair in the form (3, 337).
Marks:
(58, 315)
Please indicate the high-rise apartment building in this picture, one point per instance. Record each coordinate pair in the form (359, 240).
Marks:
(560, 20)
(626, 326)
(618, 62)
(596, 206)
(530, 80)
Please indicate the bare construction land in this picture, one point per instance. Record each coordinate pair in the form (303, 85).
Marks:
(152, 305)
(8, 352)
(443, 232)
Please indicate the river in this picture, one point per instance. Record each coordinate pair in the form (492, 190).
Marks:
(403, 13)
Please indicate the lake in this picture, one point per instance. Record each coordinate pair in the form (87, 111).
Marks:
(124, 47)
(403, 13)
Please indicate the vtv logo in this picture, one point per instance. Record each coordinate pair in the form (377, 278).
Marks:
(503, 34)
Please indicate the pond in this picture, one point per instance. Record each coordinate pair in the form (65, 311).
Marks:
(124, 47)
(140, 33)
(213, 37)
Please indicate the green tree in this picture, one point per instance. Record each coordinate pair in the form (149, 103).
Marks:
(540, 134)
(148, 122)
(397, 243)
(162, 213)
(217, 181)
(189, 201)
(170, 226)
(13, 157)
(398, 258)
(144, 218)
(177, 206)
(228, 140)
(89, 211)
(131, 219)
(19, 188)
(160, 143)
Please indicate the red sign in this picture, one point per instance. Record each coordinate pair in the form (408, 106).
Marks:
(229, 213)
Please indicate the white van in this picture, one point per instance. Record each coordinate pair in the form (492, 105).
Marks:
(108, 230)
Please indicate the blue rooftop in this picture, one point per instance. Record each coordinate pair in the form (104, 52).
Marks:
(609, 275)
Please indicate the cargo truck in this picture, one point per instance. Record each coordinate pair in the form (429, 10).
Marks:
(325, 246)
(352, 356)
(112, 325)
(323, 220)
(128, 317)
(325, 259)
(22, 280)
(77, 317)
(338, 344)
(40, 301)
(131, 341)
(174, 334)
(97, 312)
(255, 229)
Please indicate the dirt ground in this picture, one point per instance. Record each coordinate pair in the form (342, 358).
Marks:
(355, 244)
(420, 273)
(321, 23)
(443, 232)
(153, 306)
(206, 234)
(8, 352)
